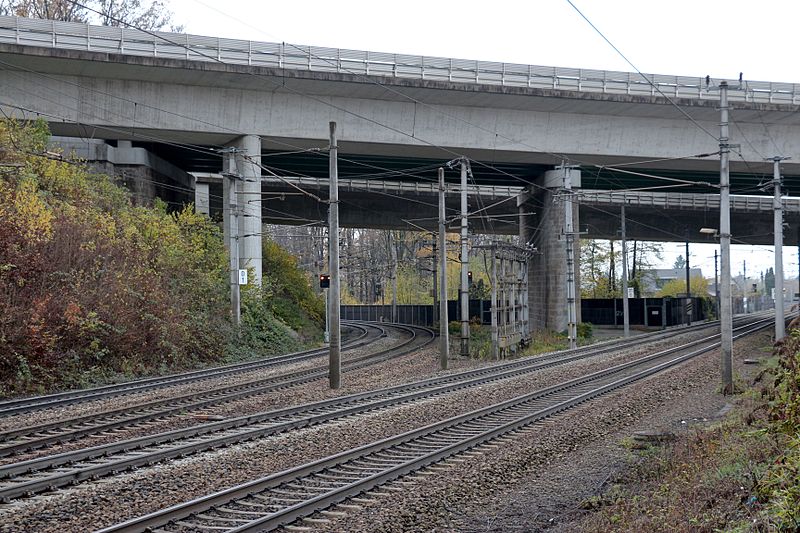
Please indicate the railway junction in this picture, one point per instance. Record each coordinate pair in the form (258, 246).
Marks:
(386, 429)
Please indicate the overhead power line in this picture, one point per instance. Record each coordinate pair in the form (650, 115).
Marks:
(639, 72)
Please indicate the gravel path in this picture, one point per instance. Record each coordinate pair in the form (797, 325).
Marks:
(88, 506)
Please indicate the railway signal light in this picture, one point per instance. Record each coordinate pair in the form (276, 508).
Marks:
(469, 276)
(324, 281)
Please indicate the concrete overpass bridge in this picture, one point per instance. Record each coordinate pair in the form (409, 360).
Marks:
(181, 97)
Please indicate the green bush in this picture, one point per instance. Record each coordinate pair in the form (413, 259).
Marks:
(289, 295)
(585, 330)
(261, 333)
(91, 285)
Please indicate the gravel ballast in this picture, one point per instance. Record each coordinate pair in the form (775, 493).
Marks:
(101, 503)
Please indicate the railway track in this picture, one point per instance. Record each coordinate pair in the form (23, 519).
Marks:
(363, 334)
(46, 473)
(282, 498)
(29, 438)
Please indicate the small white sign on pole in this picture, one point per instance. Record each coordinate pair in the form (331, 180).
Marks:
(242, 276)
(630, 292)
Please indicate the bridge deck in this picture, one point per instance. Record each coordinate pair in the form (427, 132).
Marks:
(78, 36)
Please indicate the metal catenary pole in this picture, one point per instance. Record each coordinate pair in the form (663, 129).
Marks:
(716, 284)
(434, 249)
(569, 235)
(464, 290)
(626, 319)
(393, 254)
(495, 339)
(335, 357)
(444, 341)
(688, 285)
(780, 317)
(726, 319)
(744, 286)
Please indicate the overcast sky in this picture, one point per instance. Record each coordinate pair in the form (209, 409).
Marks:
(689, 38)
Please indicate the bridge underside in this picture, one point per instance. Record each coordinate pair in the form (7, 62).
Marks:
(401, 130)
(599, 217)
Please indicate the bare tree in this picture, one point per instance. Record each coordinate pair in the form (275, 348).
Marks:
(152, 15)
(144, 14)
(63, 10)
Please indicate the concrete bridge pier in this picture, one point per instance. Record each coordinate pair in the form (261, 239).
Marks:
(202, 197)
(547, 281)
(249, 203)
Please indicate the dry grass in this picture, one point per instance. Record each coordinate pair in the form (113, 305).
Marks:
(703, 482)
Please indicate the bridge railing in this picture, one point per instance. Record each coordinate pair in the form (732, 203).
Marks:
(77, 36)
(690, 201)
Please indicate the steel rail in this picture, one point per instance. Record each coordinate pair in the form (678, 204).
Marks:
(53, 432)
(41, 435)
(28, 477)
(35, 403)
(47, 473)
(284, 497)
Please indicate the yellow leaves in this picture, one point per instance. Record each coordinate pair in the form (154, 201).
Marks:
(31, 214)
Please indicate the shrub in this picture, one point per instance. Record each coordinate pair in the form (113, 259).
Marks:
(585, 330)
(779, 488)
(92, 286)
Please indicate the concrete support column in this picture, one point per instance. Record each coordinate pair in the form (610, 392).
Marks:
(201, 198)
(248, 162)
(547, 279)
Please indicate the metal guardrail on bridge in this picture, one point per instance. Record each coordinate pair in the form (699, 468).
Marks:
(78, 36)
(379, 186)
(663, 200)
(688, 201)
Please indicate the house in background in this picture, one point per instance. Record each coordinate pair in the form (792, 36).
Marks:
(653, 280)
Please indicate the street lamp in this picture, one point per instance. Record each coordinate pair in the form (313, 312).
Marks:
(715, 233)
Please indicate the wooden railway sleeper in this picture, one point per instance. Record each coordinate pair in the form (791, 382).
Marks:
(238, 512)
(336, 476)
(222, 519)
(284, 494)
(196, 527)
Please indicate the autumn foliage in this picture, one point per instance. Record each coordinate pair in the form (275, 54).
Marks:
(91, 285)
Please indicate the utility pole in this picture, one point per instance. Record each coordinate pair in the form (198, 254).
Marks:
(435, 278)
(626, 319)
(716, 286)
(726, 320)
(572, 326)
(464, 263)
(335, 357)
(393, 253)
(780, 318)
(495, 339)
(233, 178)
(444, 341)
(744, 285)
(688, 284)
